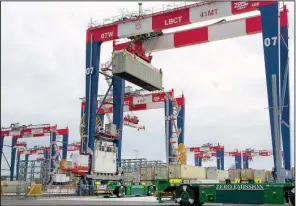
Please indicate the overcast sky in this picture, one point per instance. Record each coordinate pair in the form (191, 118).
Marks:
(43, 77)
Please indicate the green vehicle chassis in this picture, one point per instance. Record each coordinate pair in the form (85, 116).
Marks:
(238, 193)
(126, 190)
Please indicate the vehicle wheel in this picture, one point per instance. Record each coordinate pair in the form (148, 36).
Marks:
(151, 191)
(292, 197)
(185, 196)
(120, 191)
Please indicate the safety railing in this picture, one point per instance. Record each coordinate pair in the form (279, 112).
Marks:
(134, 15)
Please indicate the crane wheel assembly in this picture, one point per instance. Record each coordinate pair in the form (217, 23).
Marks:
(120, 191)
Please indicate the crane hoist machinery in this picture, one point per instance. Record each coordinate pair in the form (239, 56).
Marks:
(272, 23)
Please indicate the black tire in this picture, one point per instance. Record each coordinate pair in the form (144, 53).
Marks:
(151, 190)
(120, 192)
(185, 195)
(292, 198)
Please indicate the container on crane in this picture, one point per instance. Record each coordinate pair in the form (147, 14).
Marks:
(134, 69)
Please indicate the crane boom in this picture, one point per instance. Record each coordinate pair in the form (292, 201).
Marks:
(168, 18)
(205, 34)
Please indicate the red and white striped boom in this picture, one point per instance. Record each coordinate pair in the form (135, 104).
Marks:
(33, 131)
(41, 150)
(168, 18)
(206, 34)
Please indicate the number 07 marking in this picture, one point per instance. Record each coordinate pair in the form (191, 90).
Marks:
(89, 71)
(270, 41)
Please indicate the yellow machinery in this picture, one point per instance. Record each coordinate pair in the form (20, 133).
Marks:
(182, 154)
(35, 190)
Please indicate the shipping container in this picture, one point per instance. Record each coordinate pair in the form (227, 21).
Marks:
(247, 174)
(222, 175)
(234, 174)
(80, 162)
(212, 173)
(135, 70)
(160, 172)
(260, 174)
(146, 174)
(268, 175)
(129, 177)
(186, 172)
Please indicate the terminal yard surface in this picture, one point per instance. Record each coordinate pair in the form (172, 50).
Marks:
(95, 201)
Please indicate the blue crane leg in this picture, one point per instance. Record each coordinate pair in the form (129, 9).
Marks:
(285, 97)
(269, 13)
(180, 124)
(46, 155)
(65, 146)
(245, 162)
(170, 131)
(18, 159)
(222, 159)
(118, 102)
(93, 50)
(53, 150)
(26, 166)
(198, 161)
(238, 162)
(1, 148)
(218, 159)
(12, 160)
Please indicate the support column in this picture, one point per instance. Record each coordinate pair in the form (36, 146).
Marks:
(218, 159)
(65, 145)
(167, 132)
(46, 155)
(285, 92)
(222, 158)
(82, 118)
(181, 123)
(118, 102)
(198, 161)
(1, 148)
(26, 166)
(18, 159)
(269, 13)
(245, 162)
(170, 132)
(93, 50)
(12, 160)
(53, 151)
(238, 162)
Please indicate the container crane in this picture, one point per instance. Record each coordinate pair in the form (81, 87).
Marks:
(169, 18)
(18, 131)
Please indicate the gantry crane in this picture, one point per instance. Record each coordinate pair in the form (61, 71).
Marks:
(17, 131)
(207, 151)
(145, 32)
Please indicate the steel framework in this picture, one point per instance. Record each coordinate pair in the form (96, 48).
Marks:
(17, 132)
(274, 39)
